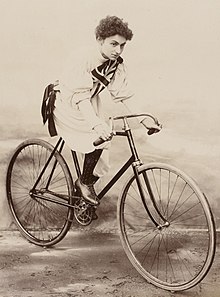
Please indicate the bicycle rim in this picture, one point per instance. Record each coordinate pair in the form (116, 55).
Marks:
(42, 222)
(177, 254)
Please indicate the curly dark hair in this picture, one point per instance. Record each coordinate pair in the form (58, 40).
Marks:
(112, 25)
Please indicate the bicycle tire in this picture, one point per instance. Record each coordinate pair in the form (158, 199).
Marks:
(173, 257)
(41, 222)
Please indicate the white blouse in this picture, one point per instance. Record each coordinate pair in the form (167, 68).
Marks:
(77, 84)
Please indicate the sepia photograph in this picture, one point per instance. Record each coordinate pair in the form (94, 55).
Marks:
(110, 148)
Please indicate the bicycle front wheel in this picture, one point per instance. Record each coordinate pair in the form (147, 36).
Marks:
(169, 233)
(42, 222)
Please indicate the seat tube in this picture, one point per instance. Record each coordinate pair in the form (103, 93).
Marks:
(76, 163)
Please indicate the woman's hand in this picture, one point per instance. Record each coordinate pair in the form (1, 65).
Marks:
(103, 131)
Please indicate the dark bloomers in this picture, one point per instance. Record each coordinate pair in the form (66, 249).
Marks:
(112, 25)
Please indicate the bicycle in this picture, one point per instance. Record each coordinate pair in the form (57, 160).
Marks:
(167, 228)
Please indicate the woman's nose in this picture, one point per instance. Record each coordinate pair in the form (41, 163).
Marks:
(118, 49)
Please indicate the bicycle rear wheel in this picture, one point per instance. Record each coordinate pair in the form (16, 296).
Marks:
(40, 221)
(177, 253)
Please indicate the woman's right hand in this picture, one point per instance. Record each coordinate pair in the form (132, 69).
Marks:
(103, 131)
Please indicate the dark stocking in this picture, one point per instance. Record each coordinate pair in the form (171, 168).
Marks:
(89, 164)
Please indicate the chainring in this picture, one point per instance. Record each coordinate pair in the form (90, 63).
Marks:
(84, 213)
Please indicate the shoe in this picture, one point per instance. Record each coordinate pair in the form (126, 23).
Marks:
(87, 192)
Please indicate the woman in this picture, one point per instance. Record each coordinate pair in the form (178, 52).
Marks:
(78, 111)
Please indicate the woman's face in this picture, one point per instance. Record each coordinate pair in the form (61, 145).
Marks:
(112, 47)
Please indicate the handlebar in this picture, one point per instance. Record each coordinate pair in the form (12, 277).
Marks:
(124, 118)
(135, 115)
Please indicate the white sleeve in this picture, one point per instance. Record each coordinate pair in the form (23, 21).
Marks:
(121, 91)
(119, 87)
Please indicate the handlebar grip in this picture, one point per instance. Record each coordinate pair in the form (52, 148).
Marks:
(151, 131)
(98, 141)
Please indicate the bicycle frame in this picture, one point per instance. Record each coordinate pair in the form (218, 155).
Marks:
(133, 161)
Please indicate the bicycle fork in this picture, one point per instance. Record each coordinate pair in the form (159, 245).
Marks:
(136, 164)
(151, 195)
